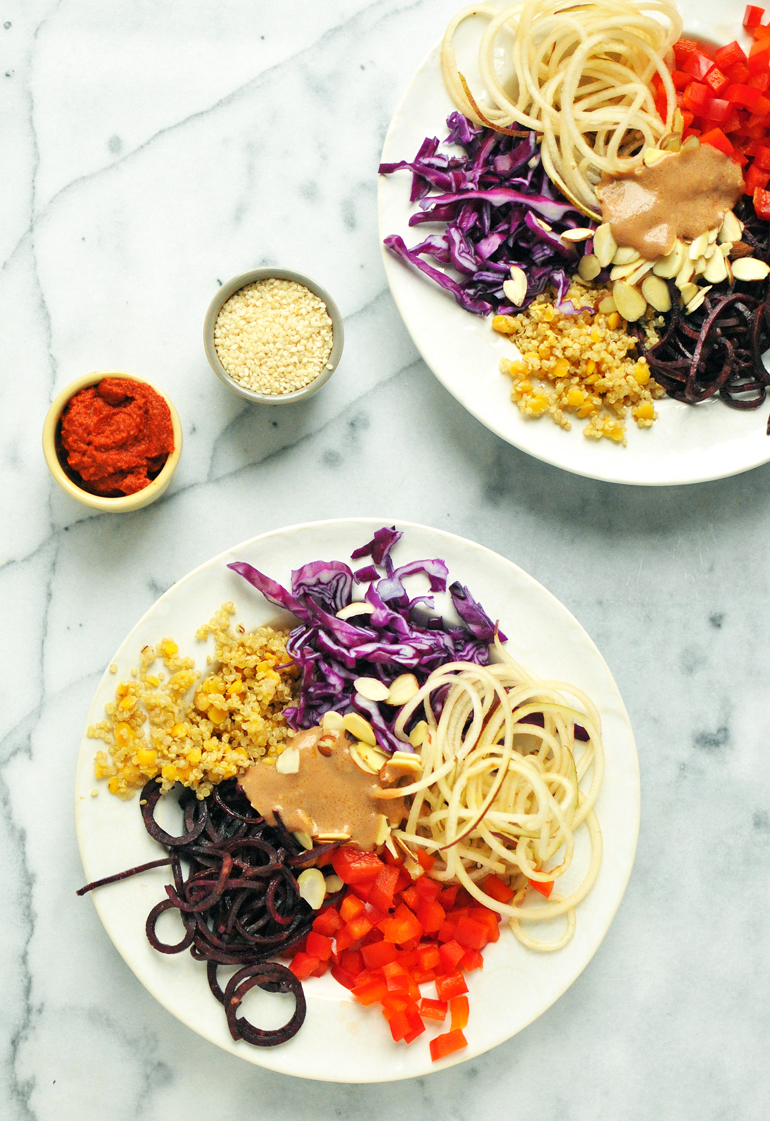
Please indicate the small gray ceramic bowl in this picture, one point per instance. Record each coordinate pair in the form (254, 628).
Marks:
(267, 273)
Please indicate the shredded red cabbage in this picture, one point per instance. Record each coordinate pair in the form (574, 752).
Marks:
(401, 635)
(492, 201)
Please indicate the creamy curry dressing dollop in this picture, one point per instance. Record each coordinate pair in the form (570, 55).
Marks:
(683, 195)
(328, 794)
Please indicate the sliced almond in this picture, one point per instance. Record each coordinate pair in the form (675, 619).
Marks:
(606, 307)
(371, 688)
(332, 836)
(391, 846)
(716, 270)
(368, 759)
(312, 887)
(629, 301)
(689, 292)
(354, 723)
(625, 255)
(668, 266)
(383, 830)
(304, 839)
(709, 251)
(731, 229)
(700, 267)
(332, 721)
(543, 225)
(685, 274)
(620, 272)
(287, 762)
(713, 234)
(515, 289)
(653, 156)
(580, 233)
(333, 884)
(418, 734)
(401, 763)
(691, 143)
(640, 271)
(656, 293)
(697, 246)
(672, 141)
(749, 268)
(403, 689)
(697, 299)
(357, 608)
(605, 246)
(589, 267)
(677, 123)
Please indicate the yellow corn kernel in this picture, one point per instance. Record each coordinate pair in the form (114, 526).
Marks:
(178, 730)
(131, 775)
(613, 321)
(124, 733)
(592, 380)
(538, 405)
(504, 324)
(532, 360)
(168, 648)
(575, 397)
(548, 313)
(561, 369)
(122, 689)
(645, 412)
(112, 786)
(145, 757)
(213, 685)
(194, 756)
(201, 701)
(596, 335)
(169, 772)
(518, 368)
(590, 366)
(641, 372)
(236, 687)
(127, 702)
(217, 715)
(586, 410)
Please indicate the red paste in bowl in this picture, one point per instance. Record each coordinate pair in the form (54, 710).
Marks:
(116, 436)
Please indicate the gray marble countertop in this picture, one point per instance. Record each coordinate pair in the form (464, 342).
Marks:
(152, 151)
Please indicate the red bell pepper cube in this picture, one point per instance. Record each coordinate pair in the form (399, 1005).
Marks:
(347, 980)
(417, 1027)
(762, 204)
(319, 946)
(448, 897)
(411, 897)
(756, 178)
(739, 158)
(370, 988)
(328, 922)
(384, 889)
(683, 48)
(425, 860)
(546, 887)
(356, 928)
(447, 932)
(729, 55)
(428, 889)
(350, 907)
(302, 965)
(428, 956)
(746, 97)
(732, 122)
(362, 890)
(759, 81)
(681, 80)
(491, 918)
(444, 1045)
(433, 1009)
(697, 65)
(322, 967)
(431, 916)
(762, 157)
(695, 97)
(450, 956)
(451, 986)
(716, 81)
(472, 935)
(752, 17)
(472, 959)
(494, 887)
(409, 958)
(762, 31)
(401, 926)
(378, 954)
(738, 72)
(352, 961)
(354, 866)
(758, 61)
(458, 1008)
(391, 1005)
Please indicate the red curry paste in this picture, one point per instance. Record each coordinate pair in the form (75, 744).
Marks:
(117, 435)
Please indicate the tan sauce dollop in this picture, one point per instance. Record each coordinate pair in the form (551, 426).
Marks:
(683, 195)
(329, 794)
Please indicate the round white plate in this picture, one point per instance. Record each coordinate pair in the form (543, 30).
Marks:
(687, 444)
(341, 1041)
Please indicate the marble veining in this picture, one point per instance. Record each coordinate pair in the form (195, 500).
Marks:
(150, 152)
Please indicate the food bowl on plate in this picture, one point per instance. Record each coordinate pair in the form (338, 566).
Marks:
(68, 478)
(273, 336)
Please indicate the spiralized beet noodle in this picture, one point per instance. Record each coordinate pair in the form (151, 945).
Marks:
(719, 347)
(239, 900)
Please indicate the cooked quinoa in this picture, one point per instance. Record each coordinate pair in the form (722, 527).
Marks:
(273, 336)
(196, 730)
(584, 365)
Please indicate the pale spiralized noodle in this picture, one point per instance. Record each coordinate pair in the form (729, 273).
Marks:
(582, 75)
(499, 795)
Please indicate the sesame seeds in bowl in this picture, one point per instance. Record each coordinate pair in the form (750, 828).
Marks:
(273, 335)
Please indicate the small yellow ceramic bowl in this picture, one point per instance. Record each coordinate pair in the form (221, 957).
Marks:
(125, 503)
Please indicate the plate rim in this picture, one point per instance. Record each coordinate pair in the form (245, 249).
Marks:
(261, 1056)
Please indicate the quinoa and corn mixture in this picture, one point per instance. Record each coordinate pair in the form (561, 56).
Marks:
(584, 365)
(234, 717)
(273, 336)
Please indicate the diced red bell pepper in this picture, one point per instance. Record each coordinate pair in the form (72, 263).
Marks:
(450, 956)
(319, 946)
(447, 932)
(370, 988)
(408, 958)
(427, 888)
(401, 926)
(430, 916)
(406, 1025)
(762, 31)
(491, 918)
(738, 72)
(696, 96)
(756, 179)
(356, 928)
(747, 97)
(729, 55)
(752, 17)
(450, 986)
(494, 887)
(458, 1008)
(759, 81)
(681, 80)
(472, 935)
(352, 961)
(739, 158)
(350, 907)
(716, 81)
(716, 139)
(446, 1044)
(546, 887)
(428, 956)
(425, 860)
(762, 203)
(762, 157)
(354, 866)
(392, 1005)
(411, 897)
(384, 888)
(697, 65)
(759, 58)
(472, 959)
(433, 1009)
(396, 978)
(683, 48)
(448, 897)
(378, 954)
(302, 965)
(328, 922)
(347, 980)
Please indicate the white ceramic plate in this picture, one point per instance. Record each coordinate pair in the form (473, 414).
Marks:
(685, 445)
(340, 1040)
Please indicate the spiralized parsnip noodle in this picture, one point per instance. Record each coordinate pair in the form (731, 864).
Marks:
(500, 794)
(582, 75)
